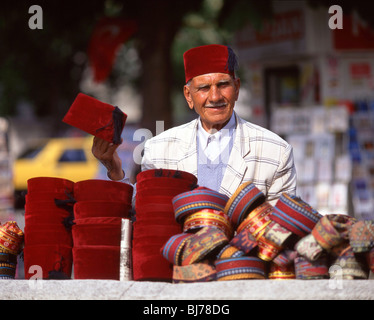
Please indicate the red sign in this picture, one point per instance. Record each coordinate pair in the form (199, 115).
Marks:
(356, 34)
(284, 26)
(360, 70)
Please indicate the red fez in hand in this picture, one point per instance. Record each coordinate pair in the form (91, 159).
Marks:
(97, 118)
(213, 58)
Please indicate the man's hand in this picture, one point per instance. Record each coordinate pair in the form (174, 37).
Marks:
(106, 153)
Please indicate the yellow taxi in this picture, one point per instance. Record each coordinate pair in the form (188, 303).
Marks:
(70, 158)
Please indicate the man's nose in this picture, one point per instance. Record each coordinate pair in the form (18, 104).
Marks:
(215, 94)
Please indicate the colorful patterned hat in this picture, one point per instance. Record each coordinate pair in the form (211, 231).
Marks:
(332, 229)
(295, 215)
(275, 233)
(311, 270)
(281, 273)
(349, 265)
(208, 218)
(8, 265)
(244, 200)
(97, 118)
(197, 272)
(267, 250)
(229, 251)
(196, 200)
(203, 243)
(240, 268)
(11, 237)
(244, 241)
(285, 257)
(361, 236)
(257, 220)
(309, 248)
(173, 248)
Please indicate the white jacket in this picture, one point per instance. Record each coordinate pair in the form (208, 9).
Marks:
(258, 155)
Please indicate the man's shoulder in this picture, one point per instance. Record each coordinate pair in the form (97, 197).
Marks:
(180, 132)
(256, 132)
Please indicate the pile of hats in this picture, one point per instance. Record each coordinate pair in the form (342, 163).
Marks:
(48, 238)
(290, 240)
(99, 211)
(155, 222)
(79, 222)
(11, 241)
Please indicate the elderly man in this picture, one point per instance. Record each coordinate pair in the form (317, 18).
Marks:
(218, 147)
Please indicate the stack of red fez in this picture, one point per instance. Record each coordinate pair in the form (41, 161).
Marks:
(48, 238)
(99, 209)
(155, 222)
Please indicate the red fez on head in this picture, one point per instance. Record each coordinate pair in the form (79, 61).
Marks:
(213, 58)
(97, 118)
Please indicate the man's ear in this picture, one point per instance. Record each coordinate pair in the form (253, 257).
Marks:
(187, 95)
(237, 88)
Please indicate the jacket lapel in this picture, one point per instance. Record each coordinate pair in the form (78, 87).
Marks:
(188, 151)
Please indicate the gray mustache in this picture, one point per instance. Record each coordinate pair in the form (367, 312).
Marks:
(215, 105)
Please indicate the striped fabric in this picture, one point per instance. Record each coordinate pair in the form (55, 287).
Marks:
(198, 199)
(258, 155)
(295, 215)
(240, 268)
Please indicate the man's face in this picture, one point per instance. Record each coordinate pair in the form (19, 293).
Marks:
(213, 97)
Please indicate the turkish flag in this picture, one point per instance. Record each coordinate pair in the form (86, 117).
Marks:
(106, 39)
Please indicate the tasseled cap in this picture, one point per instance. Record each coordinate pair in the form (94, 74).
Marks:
(213, 58)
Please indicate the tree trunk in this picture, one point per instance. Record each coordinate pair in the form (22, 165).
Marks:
(156, 33)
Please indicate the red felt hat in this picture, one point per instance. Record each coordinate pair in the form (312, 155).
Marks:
(48, 218)
(183, 185)
(49, 184)
(161, 191)
(150, 208)
(153, 267)
(104, 231)
(42, 207)
(55, 261)
(97, 118)
(47, 234)
(96, 262)
(155, 218)
(212, 58)
(165, 173)
(87, 209)
(96, 189)
(158, 230)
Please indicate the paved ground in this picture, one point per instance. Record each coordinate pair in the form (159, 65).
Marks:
(218, 290)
